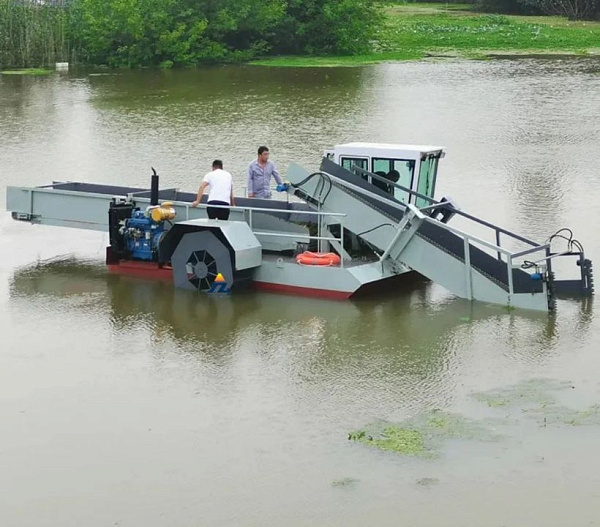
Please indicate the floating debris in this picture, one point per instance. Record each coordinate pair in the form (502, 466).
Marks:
(422, 435)
(536, 400)
(393, 439)
(427, 482)
(428, 432)
(344, 482)
(561, 415)
(529, 392)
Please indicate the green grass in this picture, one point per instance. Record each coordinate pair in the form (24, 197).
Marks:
(468, 33)
(417, 31)
(27, 71)
(334, 61)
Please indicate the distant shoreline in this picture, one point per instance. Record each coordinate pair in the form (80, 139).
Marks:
(414, 32)
(337, 62)
(451, 31)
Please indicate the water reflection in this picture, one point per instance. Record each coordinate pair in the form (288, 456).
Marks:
(177, 121)
(202, 114)
(390, 336)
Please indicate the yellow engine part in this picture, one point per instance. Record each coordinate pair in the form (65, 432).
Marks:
(164, 212)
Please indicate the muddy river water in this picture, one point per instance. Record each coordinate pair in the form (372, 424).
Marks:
(130, 403)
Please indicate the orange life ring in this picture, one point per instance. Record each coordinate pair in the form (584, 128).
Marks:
(309, 258)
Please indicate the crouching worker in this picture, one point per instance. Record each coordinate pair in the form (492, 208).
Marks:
(220, 191)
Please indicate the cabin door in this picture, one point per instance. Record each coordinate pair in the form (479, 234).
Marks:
(427, 177)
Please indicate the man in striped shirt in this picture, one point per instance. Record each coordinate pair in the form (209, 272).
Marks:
(259, 175)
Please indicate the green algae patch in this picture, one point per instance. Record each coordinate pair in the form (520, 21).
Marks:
(590, 416)
(36, 72)
(449, 425)
(423, 435)
(548, 415)
(399, 440)
(536, 399)
(427, 482)
(344, 483)
(525, 393)
(393, 439)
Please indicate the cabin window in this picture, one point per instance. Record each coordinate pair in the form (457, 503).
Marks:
(361, 162)
(399, 171)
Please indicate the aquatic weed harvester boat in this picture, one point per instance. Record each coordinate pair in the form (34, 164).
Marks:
(365, 218)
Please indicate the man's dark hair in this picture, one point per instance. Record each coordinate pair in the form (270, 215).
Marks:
(262, 149)
(217, 163)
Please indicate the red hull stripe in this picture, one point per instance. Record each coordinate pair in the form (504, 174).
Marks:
(142, 270)
(151, 271)
(303, 291)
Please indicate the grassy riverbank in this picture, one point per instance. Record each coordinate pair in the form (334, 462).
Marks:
(36, 72)
(415, 31)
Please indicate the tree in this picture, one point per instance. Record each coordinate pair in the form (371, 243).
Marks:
(506, 7)
(572, 9)
(187, 32)
(327, 26)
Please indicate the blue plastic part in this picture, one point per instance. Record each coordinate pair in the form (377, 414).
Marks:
(282, 187)
(142, 235)
(538, 277)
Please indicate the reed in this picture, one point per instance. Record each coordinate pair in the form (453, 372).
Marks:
(33, 33)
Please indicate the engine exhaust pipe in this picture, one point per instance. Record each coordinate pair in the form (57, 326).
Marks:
(154, 189)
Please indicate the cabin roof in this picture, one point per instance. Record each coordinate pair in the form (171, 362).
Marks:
(390, 146)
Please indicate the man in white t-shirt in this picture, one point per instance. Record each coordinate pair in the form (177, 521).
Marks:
(220, 191)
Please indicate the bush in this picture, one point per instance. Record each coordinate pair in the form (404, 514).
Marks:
(327, 27)
(187, 32)
(506, 7)
(572, 9)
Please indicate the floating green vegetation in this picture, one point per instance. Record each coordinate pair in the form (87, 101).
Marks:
(428, 432)
(393, 439)
(590, 416)
(344, 483)
(535, 399)
(524, 393)
(29, 71)
(422, 435)
(427, 482)
(561, 415)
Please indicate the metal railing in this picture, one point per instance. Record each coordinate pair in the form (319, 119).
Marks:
(437, 205)
(274, 191)
(252, 210)
(469, 239)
